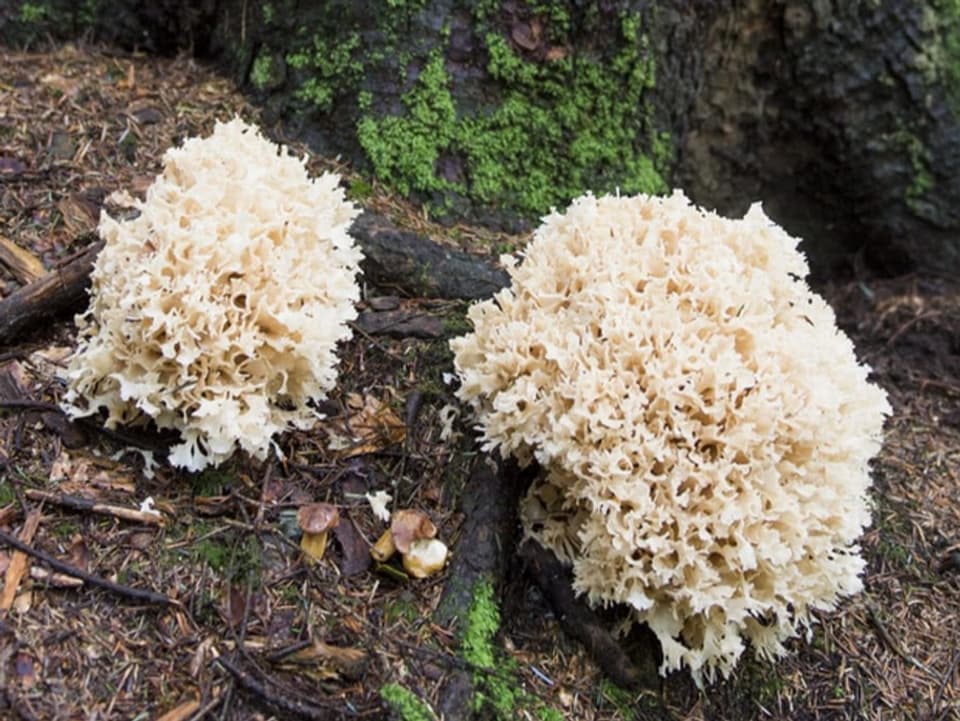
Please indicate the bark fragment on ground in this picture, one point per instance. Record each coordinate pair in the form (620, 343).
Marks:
(396, 258)
(59, 291)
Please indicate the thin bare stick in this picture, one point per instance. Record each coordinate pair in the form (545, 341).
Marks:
(77, 503)
(136, 594)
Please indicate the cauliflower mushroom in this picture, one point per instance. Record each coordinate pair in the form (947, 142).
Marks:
(217, 310)
(703, 427)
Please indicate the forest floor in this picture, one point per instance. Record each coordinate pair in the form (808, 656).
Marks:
(256, 631)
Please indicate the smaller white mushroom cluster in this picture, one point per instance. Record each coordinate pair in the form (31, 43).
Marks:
(703, 426)
(217, 310)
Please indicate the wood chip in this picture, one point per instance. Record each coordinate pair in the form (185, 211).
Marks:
(24, 265)
(18, 563)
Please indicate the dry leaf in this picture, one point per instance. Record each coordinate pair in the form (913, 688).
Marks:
(60, 84)
(78, 556)
(373, 426)
(84, 477)
(234, 606)
(13, 381)
(24, 265)
(11, 167)
(201, 657)
(356, 555)
(348, 662)
(80, 213)
(50, 361)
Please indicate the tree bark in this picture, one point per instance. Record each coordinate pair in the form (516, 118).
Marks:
(842, 118)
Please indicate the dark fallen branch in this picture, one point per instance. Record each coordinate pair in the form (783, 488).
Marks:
(393, 258)
(420, 267)
(273, 699)
(135, 594)
(59, 291)
(581, 622)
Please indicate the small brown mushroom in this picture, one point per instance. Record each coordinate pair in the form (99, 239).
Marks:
(409, 525)
(316, 520)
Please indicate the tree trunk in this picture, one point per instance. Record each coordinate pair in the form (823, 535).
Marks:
(842, 117)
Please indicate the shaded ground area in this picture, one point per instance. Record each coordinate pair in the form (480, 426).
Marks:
(321, 640)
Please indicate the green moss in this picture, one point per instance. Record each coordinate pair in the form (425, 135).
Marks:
(495, 677)
(7, 494)
(549, 714)
(483, 621)
(620, 698)
(405, 704)
(561, 126)
(32, 13)
(945, 16)
(267, 71)
(359, 190)
(404, 150)
(922, 180)
(402, 609)
(212, 481)
(235, 556)
(332, 69)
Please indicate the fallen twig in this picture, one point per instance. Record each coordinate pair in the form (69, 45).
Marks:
(947, 678)
(77, 503)
(890, 642)
(581, 622)
(136, 594)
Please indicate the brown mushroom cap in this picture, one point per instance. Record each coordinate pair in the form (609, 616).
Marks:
(317, 517)
(409, 525)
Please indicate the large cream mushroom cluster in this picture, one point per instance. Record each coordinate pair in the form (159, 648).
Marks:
(703, 426)
(217, 310)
